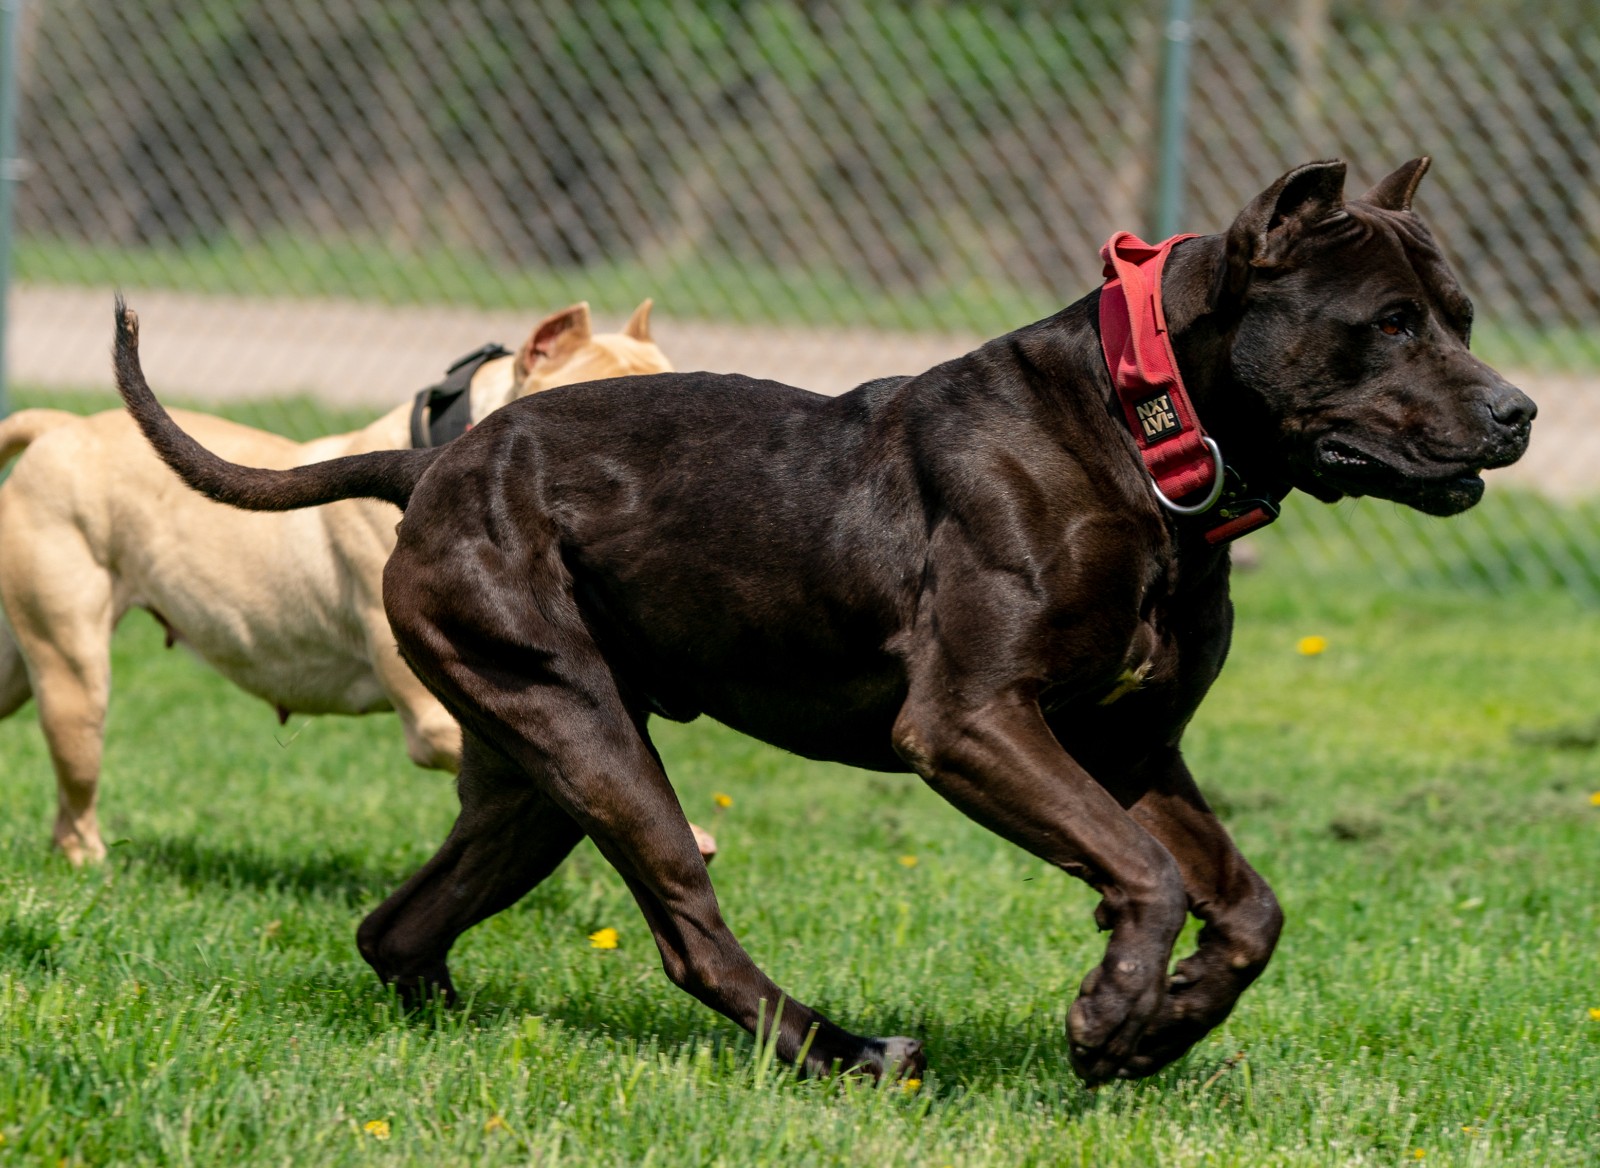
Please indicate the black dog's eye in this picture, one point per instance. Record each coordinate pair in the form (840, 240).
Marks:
(1394, 324)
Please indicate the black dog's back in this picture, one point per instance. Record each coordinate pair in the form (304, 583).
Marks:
(785, 514)
(879, 384)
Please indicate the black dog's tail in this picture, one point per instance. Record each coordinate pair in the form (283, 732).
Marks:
(382, 474)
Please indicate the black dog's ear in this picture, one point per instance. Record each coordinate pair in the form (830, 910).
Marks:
(1396, 192)
(1265, 233)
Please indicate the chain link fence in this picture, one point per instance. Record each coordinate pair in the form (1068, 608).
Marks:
(331, 199)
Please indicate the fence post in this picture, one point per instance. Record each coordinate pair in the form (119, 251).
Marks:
(10, 167)
(1179, 35)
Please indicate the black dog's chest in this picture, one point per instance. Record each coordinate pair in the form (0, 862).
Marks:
(1148, 665)
(1142, 698)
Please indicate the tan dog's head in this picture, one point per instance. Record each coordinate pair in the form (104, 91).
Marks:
(563, 349)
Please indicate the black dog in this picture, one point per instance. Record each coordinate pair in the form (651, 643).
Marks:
(953, 573)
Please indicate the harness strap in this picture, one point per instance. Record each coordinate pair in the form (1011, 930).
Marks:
(1179, 457)
(443, 412)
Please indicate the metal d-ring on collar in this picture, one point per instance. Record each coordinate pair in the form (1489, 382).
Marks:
(1211, 498)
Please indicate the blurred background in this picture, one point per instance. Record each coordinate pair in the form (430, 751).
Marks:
(316, 206)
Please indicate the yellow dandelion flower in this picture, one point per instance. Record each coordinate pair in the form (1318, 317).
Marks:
(1594, 1013)
(908, 861)
(1594, 800)
(910, 1084)
(378, 1129)
(1469, 1129)
(495, 1123)
(723, 801)
(603, 939)
(1311, 646)
(1418, 1154)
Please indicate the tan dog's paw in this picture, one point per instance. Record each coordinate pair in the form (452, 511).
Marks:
(705, 841)
(84, 851)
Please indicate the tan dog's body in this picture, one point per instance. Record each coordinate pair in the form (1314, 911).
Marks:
(287, 606)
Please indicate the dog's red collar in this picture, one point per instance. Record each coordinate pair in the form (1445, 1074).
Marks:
(1182, 461)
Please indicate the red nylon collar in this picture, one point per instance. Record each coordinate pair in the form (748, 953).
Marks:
(1144, 370)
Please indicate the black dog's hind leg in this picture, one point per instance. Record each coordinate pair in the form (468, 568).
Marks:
(606, 776)
(521, 673)
(702, 956)
(1241, 915)
(508, 837)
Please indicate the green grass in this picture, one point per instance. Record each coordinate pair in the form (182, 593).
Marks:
(199, 1000)
(300, 418)
(693, 285)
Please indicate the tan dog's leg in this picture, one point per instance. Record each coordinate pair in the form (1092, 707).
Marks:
(72, 714)
(59, 603)
(433, 739)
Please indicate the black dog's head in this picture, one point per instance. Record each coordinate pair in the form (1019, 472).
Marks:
(1350, 337)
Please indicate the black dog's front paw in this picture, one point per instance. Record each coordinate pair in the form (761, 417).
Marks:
(424, 986)
(1107, 1022)
(1190, 1010)
(416, 982)
(1194, 1007)
(417, 972)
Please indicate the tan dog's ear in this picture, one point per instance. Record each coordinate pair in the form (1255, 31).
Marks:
(555, 336)
(638, 326)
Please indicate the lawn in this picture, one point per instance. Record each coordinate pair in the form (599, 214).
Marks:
(1419, 794)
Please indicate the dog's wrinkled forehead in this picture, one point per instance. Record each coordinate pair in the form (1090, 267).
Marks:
(1401, 237)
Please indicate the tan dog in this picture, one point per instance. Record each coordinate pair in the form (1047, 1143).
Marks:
(288, 607)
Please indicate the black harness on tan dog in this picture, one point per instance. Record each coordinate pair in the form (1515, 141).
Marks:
(443, 412)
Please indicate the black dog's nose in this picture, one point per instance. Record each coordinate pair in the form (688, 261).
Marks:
(1509, 406)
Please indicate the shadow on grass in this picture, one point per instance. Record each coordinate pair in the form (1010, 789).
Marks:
(346, 877)
(964, 1054)
(964, 1057)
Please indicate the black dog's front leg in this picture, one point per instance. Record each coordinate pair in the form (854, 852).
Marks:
(1001, 765)
(1241, 915)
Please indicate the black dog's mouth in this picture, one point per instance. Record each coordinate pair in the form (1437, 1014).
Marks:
(1341, 468)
